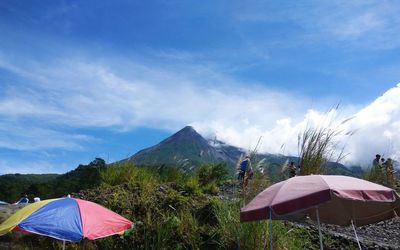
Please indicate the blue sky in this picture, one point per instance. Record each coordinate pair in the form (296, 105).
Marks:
(82, 79)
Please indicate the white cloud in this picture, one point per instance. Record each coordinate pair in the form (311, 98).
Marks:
(378, 127)
(28, 137)
(375, 128)
(370, 24)
(82, 94)
(89, 94)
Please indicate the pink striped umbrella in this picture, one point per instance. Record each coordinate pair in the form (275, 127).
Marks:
(339, 200)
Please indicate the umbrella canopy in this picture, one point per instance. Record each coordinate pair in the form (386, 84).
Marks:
(67, 219)
(340, 200)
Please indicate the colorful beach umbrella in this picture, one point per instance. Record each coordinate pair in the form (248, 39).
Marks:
(332, 199)
(66, 219)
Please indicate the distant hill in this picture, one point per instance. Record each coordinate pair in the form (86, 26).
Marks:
(50, 185)
(12, 186)
(188, 149)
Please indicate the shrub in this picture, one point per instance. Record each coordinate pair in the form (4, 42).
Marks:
(217, 173)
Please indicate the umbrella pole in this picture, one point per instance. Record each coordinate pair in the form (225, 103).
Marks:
(319, 231)
(63, 245)
(355, 233)
(270, 228)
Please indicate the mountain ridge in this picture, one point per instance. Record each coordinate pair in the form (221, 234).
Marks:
(188, 149)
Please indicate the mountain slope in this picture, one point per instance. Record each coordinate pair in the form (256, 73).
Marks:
(186, 148)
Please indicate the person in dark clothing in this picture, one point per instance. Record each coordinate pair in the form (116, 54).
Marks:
(23, 200)
(292, 170)
(377, 161)
(244, 166)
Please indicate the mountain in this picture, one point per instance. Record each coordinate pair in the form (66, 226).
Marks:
(186, 148)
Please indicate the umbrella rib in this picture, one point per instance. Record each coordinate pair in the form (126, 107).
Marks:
(273, 197)
(322, 177)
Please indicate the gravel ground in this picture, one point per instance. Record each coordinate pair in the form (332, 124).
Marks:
(383, 235)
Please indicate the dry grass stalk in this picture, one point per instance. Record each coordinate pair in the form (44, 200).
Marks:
(318, 145)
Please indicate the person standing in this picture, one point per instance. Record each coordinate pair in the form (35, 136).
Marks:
(292, 169)
(377, 174)
(248, 175)
(23, 200)
(243, 168)
(377, 161)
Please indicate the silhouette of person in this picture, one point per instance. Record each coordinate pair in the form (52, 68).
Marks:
(376, 162)
(292, 170)
(23, 200)
(244, 166)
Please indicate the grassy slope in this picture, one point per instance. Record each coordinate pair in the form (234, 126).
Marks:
(177, 213)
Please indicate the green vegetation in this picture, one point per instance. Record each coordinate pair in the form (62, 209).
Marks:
(175, 210)
(13, 186)
(313, 144)
(383, 176)
(212, 173)
(51, 185)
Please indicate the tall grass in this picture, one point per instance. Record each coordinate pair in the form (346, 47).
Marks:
(125, 173)
(258, 183)
(319, 144)
(256, 235)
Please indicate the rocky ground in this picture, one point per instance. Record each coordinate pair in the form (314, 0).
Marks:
(383, 235)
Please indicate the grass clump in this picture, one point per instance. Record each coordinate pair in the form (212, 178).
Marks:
(318, 145)
(255, 235)
(217, 173)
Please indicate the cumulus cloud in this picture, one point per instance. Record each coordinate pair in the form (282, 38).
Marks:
(372, 129)
(378, 126)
